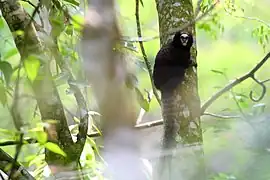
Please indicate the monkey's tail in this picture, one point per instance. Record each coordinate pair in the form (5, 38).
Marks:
(170, 110)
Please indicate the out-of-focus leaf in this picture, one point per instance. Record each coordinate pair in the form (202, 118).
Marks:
(3, 94)
(77, 21)
(7, 132)
(61, 78)
(55, 148)
(6, 68)
(142, 101)
(2, 25)
(31, 65)
(76, 119)
(74, 129)
(10, 53)
(74, 2)
(37, 160)
(131, 81)
(217, 71)
(141, 1)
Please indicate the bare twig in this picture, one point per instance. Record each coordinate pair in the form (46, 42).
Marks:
(25, 141)
(147, 63)
(237, 81)
(220, 116)
(249, 18)
(18, 150)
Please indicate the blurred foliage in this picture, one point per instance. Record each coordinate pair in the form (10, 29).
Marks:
(231, 40)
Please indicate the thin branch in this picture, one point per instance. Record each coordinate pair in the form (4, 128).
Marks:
(248, 18)
(147, 63)
(21, 172)
(220, 116)
(250, 74)
(262, 93)
(18, 151)
(25, 141)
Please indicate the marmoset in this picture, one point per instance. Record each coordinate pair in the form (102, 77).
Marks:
(171, 62)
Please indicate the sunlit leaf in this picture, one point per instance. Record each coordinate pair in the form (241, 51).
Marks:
(93, 144)
(41, 137)
(74, 129)
(7, 132)
(96, 128)
(76, 119)
(77, 21)
(6, 68)
(38, 160)
(93, 113)
(31, 65)
(2, 25)
(55, 148)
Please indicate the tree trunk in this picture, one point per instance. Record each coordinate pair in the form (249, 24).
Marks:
(45, 91)
(181, 111)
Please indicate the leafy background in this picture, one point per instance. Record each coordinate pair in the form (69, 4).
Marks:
(228, 47)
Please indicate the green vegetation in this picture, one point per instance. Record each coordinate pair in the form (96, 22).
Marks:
(228, 47)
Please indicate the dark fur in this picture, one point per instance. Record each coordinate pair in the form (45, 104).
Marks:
(171, 62)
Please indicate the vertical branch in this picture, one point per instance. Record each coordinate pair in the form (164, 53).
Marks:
(146, 61)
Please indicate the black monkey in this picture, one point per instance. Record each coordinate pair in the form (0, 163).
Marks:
(171, 62)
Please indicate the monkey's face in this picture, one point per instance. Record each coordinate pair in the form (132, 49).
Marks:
(184, 38)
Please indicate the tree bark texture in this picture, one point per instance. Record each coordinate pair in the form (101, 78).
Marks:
(45, 91)
(180, 111)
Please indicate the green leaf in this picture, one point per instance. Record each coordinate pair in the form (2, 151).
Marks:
(10, 53)
(141, 3)
(55, 148)
(217, 71)
(74, 2)
(74, 129)
(3, 95)
(41, 137)
(2, 25)
(6, 68)
(77, 21)
(32, 65)
(76, 119)
(142, 101)
(7, 132)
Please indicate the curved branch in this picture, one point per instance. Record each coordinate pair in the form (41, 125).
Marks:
(147, 63)
(234, 83)
(263, 90)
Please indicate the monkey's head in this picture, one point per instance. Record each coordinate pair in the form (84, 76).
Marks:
(183, 39)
